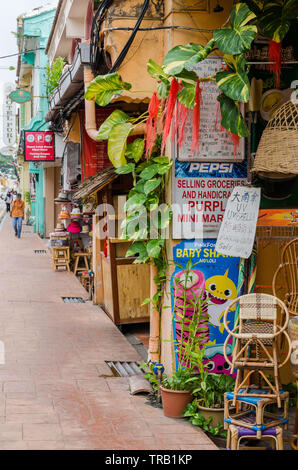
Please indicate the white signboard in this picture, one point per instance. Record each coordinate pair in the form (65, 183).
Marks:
(237, 232)
(214, 144)
(9, 116)
(201, 191)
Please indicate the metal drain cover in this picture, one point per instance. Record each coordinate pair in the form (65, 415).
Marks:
(73, 300)
(124, 369)
(40, 252)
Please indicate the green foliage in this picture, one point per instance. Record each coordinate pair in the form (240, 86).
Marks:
(117, 143)
(104, 87)
(237, 38)
(232, 118)
(197, 419)
(27, 197)
(150, 375)
(180, 380)
(53, 73)
(117, 117)
(234, 81)
(276, 18)
(183, 57)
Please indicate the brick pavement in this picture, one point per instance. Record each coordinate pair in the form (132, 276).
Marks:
(56, 391)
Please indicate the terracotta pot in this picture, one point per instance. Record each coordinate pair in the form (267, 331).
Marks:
(217, 414)
(174, 401)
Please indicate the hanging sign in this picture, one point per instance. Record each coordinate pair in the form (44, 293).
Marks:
(9, 117)
(216, 277)
(200, 194)
(215, 144)
(39, 146)
(237, 232)
(20, 96)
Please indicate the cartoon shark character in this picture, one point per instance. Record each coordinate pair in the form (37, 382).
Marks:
(220, 292)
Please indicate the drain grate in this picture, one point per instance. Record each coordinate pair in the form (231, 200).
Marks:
(124, 369)
(40, 252)
(73, 300)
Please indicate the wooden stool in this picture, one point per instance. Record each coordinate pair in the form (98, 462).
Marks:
(78, 256)
(237, 433)
(60, 257)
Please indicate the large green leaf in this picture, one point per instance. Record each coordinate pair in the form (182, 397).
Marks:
(154, 248)
(137, 248)
(135, 202)
(116, 117)
(104, 87)
(181, 57)
(152, 184)
(156, 71)
(186, 95)
(232, 119)
(238, 37)
(135, 149)
(234, 81)
(276, 19)
(126, 169)
(117, 143)
(149, 172)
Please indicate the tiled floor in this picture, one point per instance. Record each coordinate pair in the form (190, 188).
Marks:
(56, 391)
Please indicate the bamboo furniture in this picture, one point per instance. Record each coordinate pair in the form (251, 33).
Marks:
(289, 269)
(293, 332)
(236, 433)
(255, 408)
(78, 257)
(60, 257)
(258, 335)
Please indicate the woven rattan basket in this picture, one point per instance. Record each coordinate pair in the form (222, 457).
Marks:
(278, 148)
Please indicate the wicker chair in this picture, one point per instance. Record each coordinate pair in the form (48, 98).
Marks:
(289, 269)
(258, 334)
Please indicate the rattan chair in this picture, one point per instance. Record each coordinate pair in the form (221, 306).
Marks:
(236, 433)
(289, 271)
(258, 334)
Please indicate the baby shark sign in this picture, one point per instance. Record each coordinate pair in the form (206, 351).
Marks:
(215, 275)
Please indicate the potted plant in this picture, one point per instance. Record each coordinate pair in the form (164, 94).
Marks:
(177, 390)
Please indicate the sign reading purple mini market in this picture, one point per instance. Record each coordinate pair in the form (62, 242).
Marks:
(39, 146)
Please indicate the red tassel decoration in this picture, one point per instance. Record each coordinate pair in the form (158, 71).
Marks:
(177, 119)
(151, 123)
(235, 139)
(170, 110)
(196, 118)
(185, 112)
(274, 56)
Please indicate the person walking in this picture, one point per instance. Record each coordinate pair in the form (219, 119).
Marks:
(17, 214)
(8, 200)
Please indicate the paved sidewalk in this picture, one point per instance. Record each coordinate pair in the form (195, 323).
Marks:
(56, 391)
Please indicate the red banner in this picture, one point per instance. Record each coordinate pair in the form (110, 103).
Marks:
(94, 155)
(39, 146)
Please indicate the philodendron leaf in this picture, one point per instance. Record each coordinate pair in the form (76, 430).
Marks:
(186, 95)
(181, 57)
(135, 150)
(149, 172)
(135, 202)
(276, 19)
(117, 143)
(117, 117)
(124, 170)
(153, 248)
(234, 81)
(163, 89)
(137, 248)
(152, 184)
(157, 72)
(237, 38)
(104, 87)
(232, 119)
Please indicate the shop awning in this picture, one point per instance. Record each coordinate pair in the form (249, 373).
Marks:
(95, 183)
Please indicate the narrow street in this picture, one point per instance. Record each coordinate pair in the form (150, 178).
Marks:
(56, 390)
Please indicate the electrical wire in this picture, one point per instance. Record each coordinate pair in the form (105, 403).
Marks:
(22, 53)
(152, 28)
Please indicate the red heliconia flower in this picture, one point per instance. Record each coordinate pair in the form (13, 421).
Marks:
(170, 110)
(196, 118)
(185, 112)
(151, 123)
(274, 56)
